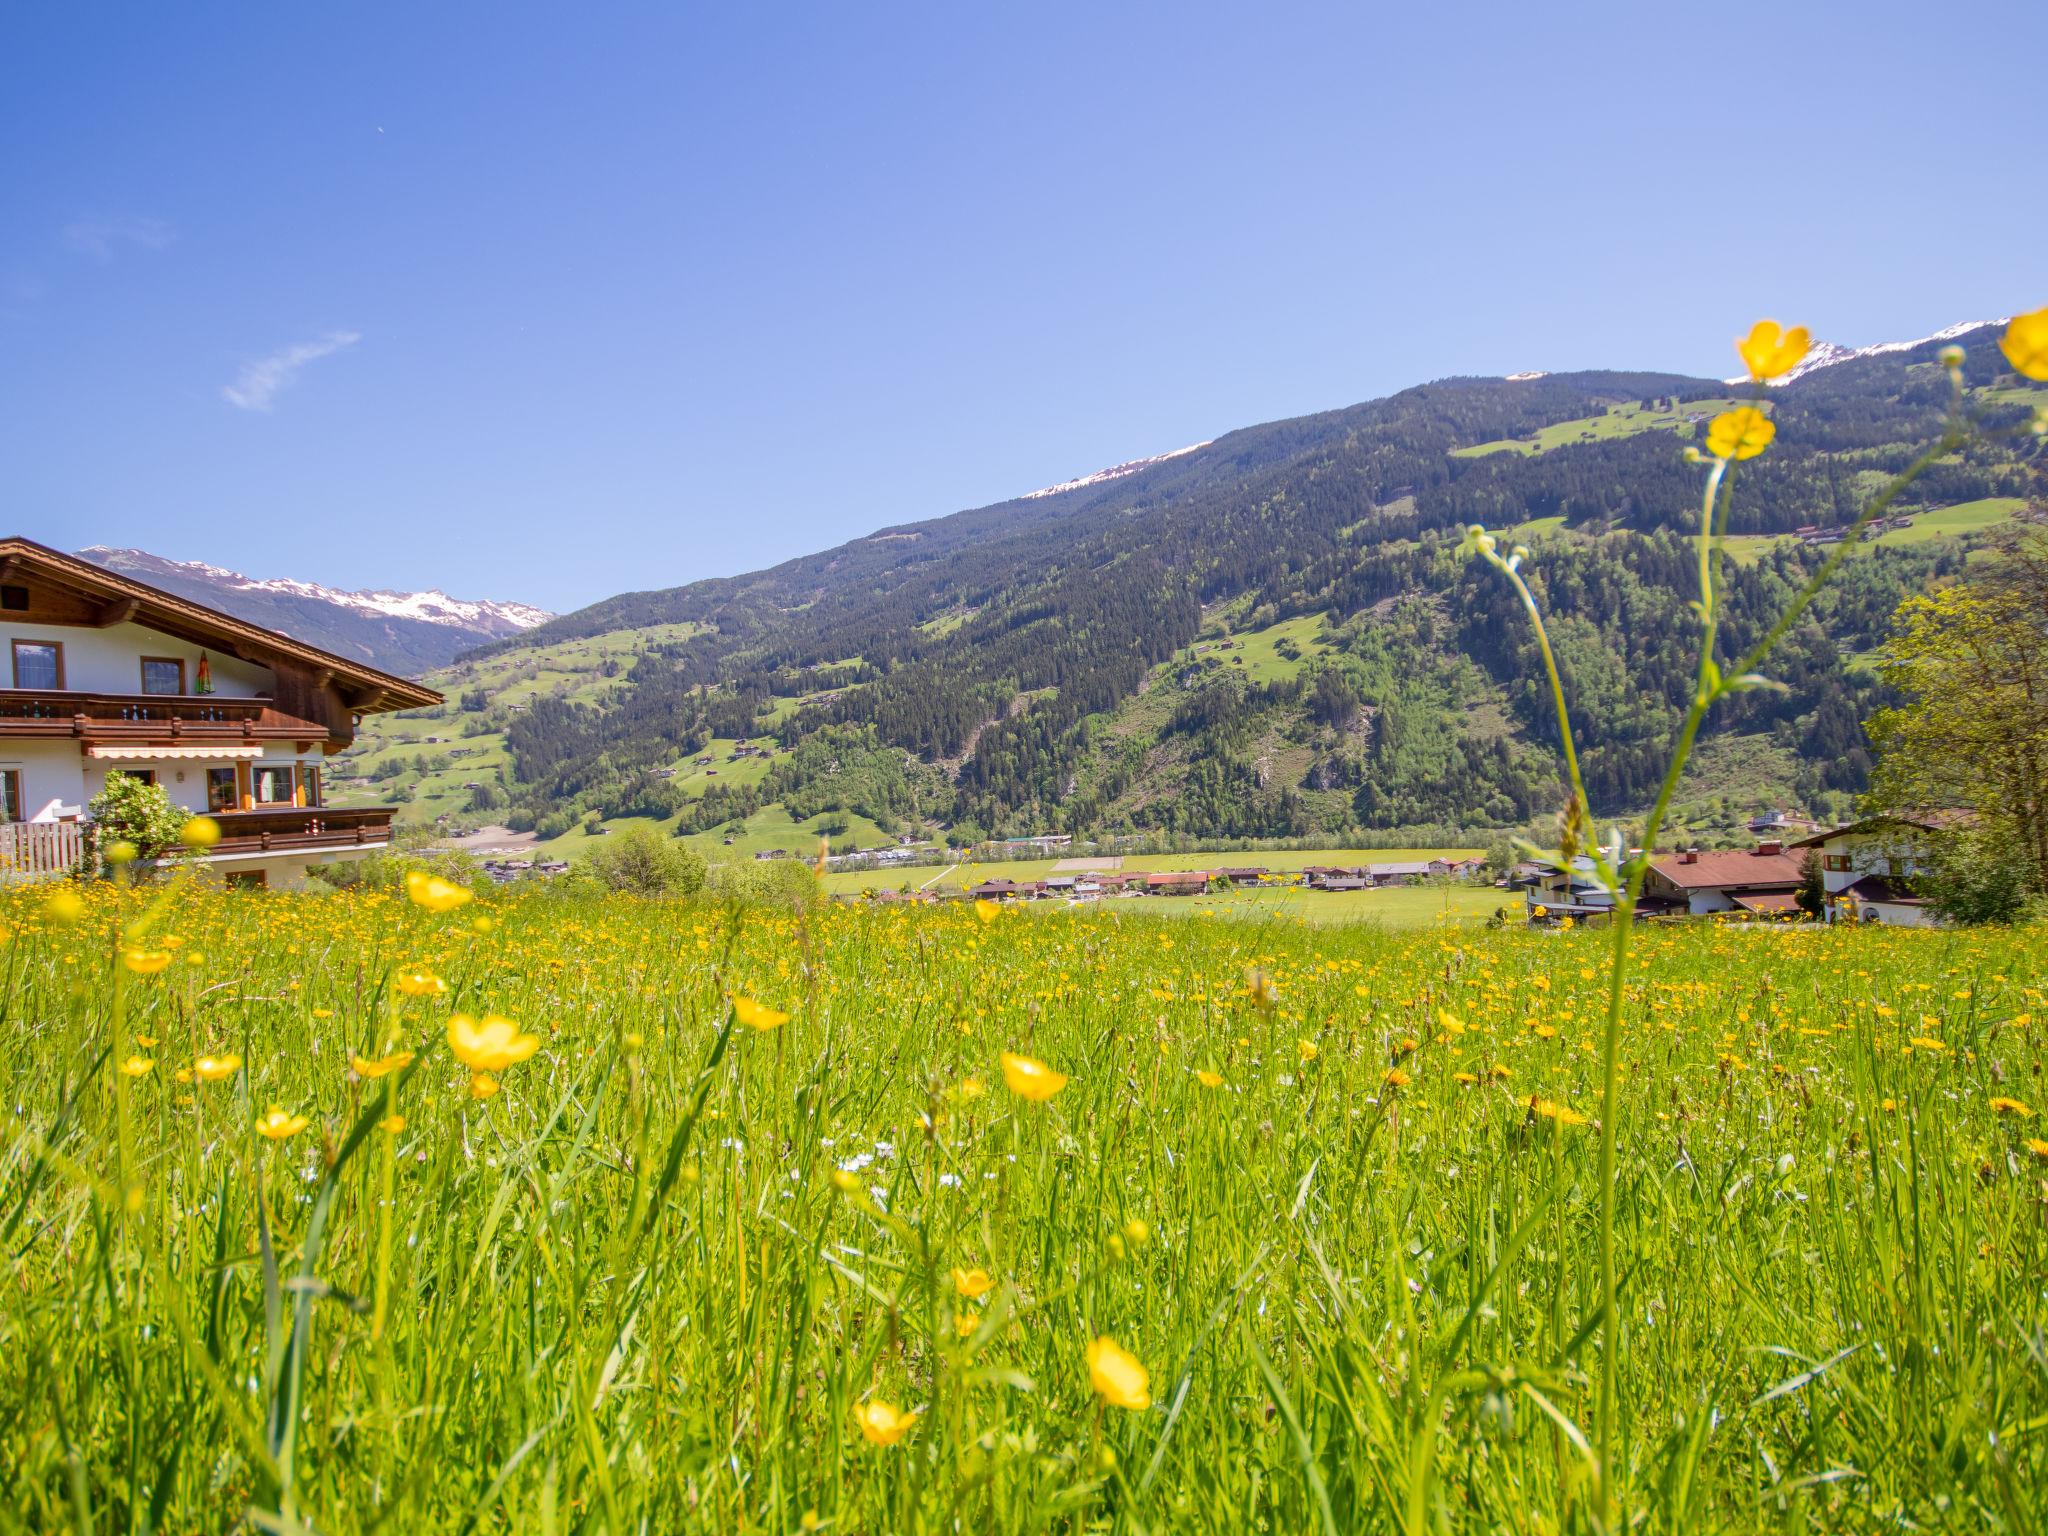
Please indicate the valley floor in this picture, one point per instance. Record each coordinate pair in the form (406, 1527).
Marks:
(535, 1213)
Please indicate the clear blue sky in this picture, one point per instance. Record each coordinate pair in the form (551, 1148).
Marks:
(551, 301)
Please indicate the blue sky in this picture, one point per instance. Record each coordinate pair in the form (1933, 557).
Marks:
(549, 302)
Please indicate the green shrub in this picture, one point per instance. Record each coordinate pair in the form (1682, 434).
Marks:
(639, 862)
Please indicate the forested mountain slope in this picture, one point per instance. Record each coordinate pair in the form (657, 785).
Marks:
(1273, 634)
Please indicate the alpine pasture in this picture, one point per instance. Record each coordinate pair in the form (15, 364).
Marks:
(357, 1213)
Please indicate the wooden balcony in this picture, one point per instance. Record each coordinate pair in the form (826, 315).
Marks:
(197, 719)
(288, 828)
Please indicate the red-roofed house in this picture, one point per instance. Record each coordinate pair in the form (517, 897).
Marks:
(1742, 879)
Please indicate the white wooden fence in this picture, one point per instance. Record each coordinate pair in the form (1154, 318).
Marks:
(37, 850)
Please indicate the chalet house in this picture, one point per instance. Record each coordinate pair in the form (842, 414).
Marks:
(1569, 892)
(1404, 873)
(1763, 880)
(1868, 866)
(1001, 890)
(1177, 882)
(106, 675)
(1251, 876)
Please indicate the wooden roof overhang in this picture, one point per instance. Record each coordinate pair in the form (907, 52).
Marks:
(121, 599)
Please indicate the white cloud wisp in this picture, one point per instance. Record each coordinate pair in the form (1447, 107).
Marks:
(261, 381)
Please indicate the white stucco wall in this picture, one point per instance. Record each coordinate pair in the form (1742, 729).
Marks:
(110, 660)
(1894, 851)
(52, 775)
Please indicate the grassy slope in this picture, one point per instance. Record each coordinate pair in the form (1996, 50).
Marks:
(1620, 421)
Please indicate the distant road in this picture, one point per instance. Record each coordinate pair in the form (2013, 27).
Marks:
(935, 879)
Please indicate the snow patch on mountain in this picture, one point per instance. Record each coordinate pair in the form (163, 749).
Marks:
(483, 615)
(1114, 472)
(1826, 354)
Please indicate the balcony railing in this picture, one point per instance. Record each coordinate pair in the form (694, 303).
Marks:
(286, 828)
(147, 717)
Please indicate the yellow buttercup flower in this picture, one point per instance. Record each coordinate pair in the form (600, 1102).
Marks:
(391, 1125)
(1768, 351)
(2038, 1147)
(216, 1069)
(1030, 1078)
(482, 1085)
(1307, 1050)
(757, 1015)
(880, 1423)
(1742, 433)
(965, 1323)
(1209, 1079)
(383, 1064)
(137, 1066)
(200, 833)
(419, 982)
(434, 893)
(490, 1046)
(972, 1283)
(1138, 1231)
(145, 962)
(276, 1125)
(1563, 1114)
(65, 905)
(2025, 344)
(988, 911)
(1927, 1043)
(1120, 1378)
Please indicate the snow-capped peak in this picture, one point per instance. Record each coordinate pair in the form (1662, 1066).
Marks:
(1826, 354)
(1114, 472)
(432, 607)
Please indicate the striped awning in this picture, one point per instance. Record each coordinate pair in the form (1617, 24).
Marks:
(167, 754)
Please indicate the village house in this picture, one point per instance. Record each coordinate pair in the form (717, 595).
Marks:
(1867, 867)
(107, 675)
(1763, 880)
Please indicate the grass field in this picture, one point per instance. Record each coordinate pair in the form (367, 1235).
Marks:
(1329, 1193)
(1399, 906)
(1618, 421)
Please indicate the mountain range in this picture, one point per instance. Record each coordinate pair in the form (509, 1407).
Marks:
(402, 632)
(1271, 634)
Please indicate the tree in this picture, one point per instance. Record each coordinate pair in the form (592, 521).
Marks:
(1978, 877)
(1812, 894)
(137, 812)
(640, 863)
(1971, 661)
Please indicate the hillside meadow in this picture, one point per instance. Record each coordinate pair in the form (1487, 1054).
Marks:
(348, 1214)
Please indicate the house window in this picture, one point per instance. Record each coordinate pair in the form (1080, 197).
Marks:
(274, 784)
(14, 599)
(10, 794)
(220, 790)
(38, 664)
(163, 674)
(139, 775)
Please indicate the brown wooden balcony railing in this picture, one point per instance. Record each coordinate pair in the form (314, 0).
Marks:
(147, 717)
(284, 828)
